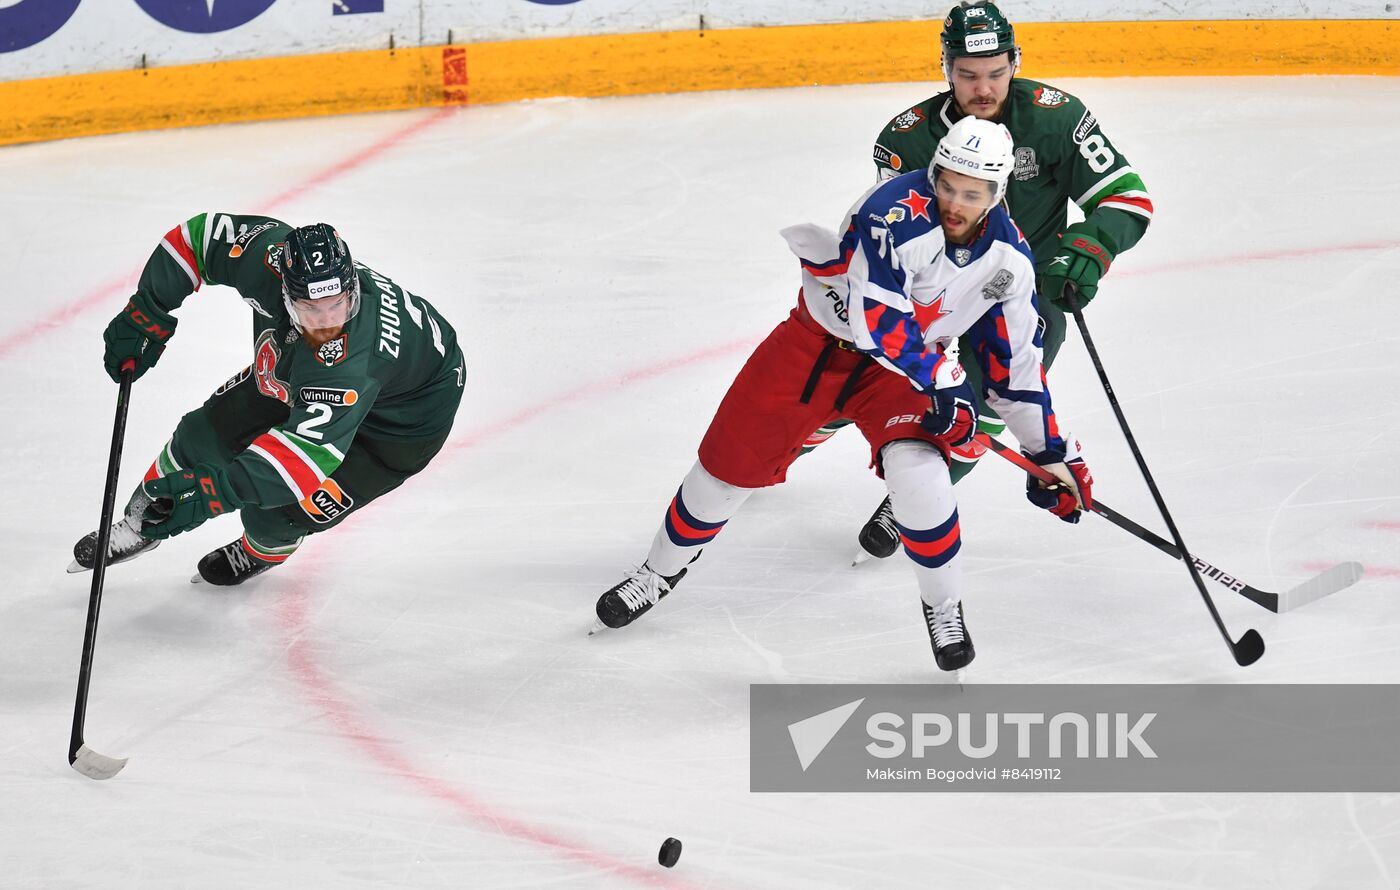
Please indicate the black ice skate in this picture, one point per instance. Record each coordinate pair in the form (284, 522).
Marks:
(629, 600)
(952, 646)
(124, 543)
(879, 537)
(230, 565)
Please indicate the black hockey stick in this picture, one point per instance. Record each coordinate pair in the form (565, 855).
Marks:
(80, 756)
(1248, 648)
(1339, 577)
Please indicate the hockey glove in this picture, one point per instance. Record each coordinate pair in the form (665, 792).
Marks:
(138, 332)
(952, 419)
(1067, 497)
(185, 499)
(1081, 260)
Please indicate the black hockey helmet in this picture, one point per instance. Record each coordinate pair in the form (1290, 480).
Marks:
(316, 265)
(978, 29)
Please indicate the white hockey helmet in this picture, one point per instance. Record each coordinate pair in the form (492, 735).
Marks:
(977, 148)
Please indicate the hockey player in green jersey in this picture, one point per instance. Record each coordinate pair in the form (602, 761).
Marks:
(1062, 155)
(352, 389)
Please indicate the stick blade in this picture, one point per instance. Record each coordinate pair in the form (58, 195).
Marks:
(1339, 577)
(1249, 648)
(94, 765)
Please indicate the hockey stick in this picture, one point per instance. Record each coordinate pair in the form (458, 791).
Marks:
(1339, 577)
(80, 756)
(1248, 648)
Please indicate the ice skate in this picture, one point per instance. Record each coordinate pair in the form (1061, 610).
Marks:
(633, 597)
(879, 538)
(230, 565)
(124, 543)
(952, 645)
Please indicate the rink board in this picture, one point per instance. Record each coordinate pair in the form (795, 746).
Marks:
(677, 61)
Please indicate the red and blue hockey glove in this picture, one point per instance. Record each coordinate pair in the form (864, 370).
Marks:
(184, 499)
(1070, 494)
(1081, 260)
(138, 332)
(952, 419)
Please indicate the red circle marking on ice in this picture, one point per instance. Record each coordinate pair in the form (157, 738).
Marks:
(292, 608)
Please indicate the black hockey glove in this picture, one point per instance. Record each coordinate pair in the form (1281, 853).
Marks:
(138, 332)
(184, 499)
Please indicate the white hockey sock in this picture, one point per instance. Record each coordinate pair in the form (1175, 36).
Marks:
(698, 512)
(921, 495)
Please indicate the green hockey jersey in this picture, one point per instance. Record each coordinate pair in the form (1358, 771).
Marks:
(1062, 155)
(394, 372)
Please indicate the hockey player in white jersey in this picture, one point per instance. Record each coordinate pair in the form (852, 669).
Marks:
(924, 258)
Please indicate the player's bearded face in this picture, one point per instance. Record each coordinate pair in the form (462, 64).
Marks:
(962, 203)
(981, 85)
(321, 320)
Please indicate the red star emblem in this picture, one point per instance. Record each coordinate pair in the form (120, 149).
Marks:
(927, 315)
(917, 204)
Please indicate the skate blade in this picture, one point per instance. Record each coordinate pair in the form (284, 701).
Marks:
(861, 556)
(75, 567)
(961, 676)
(598, 627)
(196, 578)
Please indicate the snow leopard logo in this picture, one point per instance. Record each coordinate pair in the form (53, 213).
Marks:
(332, 352)
(908, 120)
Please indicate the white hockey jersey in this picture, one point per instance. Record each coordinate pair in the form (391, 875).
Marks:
(898, 290)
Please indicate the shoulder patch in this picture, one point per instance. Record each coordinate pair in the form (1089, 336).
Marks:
(273, 259)
(1027, 167)
(247, 236)
(1086, 126)
(996, 288)
(907, 121)
(1049, 97)
(888, 158)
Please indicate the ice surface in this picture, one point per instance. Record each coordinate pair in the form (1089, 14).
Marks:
(412, 700)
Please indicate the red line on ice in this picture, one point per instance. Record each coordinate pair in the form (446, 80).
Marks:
(292, 615)
(111, 290)
(293, 618)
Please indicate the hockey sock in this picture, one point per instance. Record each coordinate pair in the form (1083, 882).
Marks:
(926, 514)
(698, 512)
(268, 553)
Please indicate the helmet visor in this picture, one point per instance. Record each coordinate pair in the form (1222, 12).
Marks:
(333, 308)
(960, 190)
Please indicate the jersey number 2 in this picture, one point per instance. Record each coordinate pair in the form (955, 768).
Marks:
(307, 427)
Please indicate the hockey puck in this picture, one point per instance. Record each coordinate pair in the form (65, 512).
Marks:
(670, 852)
